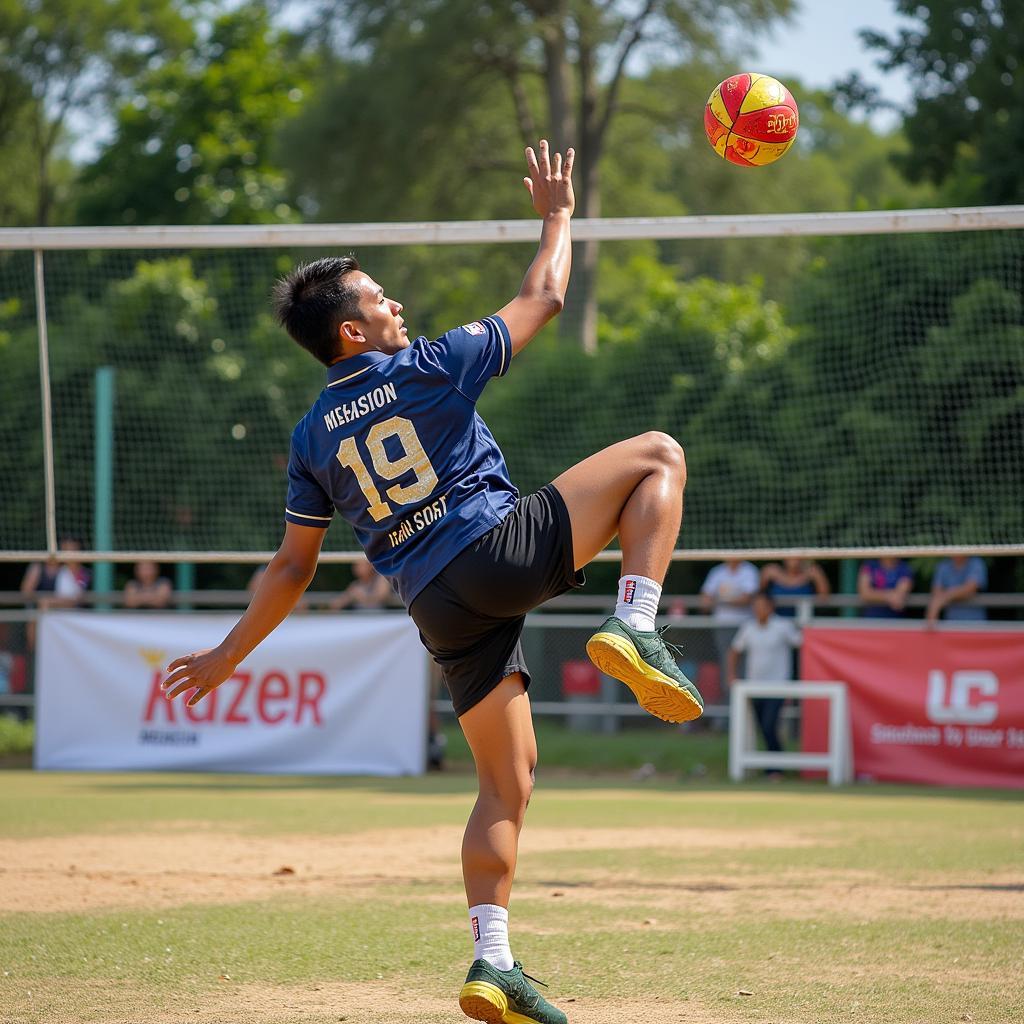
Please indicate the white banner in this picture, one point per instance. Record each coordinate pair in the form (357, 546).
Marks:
(341, 695)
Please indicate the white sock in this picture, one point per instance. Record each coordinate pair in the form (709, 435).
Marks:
(489, 926)
(638, 602)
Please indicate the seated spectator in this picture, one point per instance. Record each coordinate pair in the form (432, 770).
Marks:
(956, 580)
(367, 591)
(147, 588)
(795, 577)
(60, 581)
(883, 585)
(768, 641)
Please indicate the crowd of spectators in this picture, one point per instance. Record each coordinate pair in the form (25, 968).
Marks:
(755, 612)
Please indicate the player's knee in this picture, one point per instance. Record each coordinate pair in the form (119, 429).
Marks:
(667, 452)
(518, 795)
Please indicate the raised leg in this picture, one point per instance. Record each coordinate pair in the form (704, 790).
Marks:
(633, 489)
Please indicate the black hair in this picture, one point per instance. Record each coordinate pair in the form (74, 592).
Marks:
(314, 300)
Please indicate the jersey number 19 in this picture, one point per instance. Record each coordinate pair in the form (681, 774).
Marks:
(414, 459)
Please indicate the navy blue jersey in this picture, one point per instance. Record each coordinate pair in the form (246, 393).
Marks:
(395, 445)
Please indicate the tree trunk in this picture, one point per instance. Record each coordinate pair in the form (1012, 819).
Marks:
(557, 78)
(579, 319)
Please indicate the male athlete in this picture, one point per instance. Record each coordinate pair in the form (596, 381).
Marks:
(394, 444)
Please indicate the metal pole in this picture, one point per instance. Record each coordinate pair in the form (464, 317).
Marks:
(848, 583)
(185, 579)
(44, 387)
(103, 477)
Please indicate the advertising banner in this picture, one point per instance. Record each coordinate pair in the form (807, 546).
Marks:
(341, 695)
(926, 705)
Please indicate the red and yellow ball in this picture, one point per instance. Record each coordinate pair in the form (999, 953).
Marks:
(751, 119)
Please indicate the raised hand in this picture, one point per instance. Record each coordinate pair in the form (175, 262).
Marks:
(550, 180)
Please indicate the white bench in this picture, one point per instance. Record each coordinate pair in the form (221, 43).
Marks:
(743, 752)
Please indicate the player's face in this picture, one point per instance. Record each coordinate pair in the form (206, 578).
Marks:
(381, 327)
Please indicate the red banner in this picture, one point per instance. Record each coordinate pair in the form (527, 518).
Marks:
(933, 706)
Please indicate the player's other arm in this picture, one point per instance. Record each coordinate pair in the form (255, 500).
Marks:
(543, 292)
(279, 590)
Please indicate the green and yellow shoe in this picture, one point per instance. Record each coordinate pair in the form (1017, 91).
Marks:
(505, 997)
(644, 663)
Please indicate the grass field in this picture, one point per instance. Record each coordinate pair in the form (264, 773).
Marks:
(259, 900)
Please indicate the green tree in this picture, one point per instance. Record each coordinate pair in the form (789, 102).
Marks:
(194, 144)
(64, 56)
(965, 126)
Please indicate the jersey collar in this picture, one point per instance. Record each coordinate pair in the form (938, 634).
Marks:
(355, 366)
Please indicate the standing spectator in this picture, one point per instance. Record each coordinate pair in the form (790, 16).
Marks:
(367, 591)
(727, 593)
(795, 577)
(147, 588)
(956, 580)
(883, 585)
(768, 641)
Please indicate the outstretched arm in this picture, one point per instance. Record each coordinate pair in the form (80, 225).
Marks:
(279, 590)
(543, 292)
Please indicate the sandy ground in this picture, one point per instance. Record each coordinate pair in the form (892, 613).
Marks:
(364, 1003)
(192, 864)
(189, 863)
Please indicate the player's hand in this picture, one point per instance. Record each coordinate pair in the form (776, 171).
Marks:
(203, 671)
(550, 180)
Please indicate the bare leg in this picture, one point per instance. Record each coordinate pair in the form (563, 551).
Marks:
(633, 489)
(499, 731)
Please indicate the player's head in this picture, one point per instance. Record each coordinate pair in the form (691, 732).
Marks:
(333, 310)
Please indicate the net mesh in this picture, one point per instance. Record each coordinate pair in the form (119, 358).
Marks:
(829, 392)
(22, 506)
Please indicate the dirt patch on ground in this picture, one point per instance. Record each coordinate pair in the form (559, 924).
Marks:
(188, 864)
(799, 895)
(195, 864)
(354, 1003)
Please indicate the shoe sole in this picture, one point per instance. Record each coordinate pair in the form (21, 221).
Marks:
(655, 692)
(483, 1001)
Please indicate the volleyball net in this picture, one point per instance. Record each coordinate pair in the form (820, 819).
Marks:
(843, 384)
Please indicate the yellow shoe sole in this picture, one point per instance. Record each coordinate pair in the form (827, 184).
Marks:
(482, 1001)
(655, 692)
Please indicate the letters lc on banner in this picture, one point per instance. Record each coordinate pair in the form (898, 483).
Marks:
(934, 706)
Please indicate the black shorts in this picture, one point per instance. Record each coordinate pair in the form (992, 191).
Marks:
(470, 616)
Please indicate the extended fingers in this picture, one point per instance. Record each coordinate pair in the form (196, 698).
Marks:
(557, 170)
(545, 161)
(179, 688)
(531, 163)
(570, 157)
